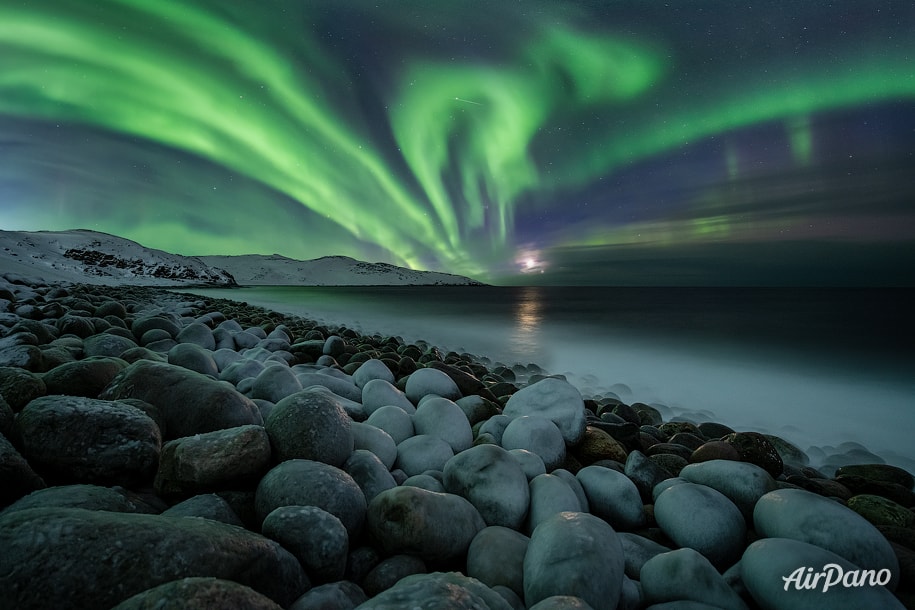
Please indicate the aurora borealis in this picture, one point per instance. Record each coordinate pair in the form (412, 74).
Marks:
(550, 141)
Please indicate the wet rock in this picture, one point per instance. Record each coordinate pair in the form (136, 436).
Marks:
(807, 517)
(19, 387)
(429, 525)
(18, 477)
(310, 425)
(205, 506)
(378, 393)
(309, 483)
(530, 463)
(612, 496)
(317, 538)
(107, 345)
(879, 472)
(685, 574)
(755, 448)
(442, 418)
(496, 557)
(85, 378)
(77, 439)
(596, 445)
(773, 570)
(574, 554)
(372, 369)
(196, 593)
(891, 491)
(438, 590)
(699, 517)
(275, 382)
(637, 550)
(393, 420)
(376, 440)
(387, 573)
(341, 595)
(420, 453)
(493, 481)
(880, 511)
(102, 558)
(369, 473)
(550, 495)
(743, 483)
(538, 435)
(554, 399)
(190, 402)
(644, 473)
(714, 450)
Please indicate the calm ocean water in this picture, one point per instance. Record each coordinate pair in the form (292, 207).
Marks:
(820, 367)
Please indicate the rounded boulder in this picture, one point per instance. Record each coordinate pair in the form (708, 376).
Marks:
(310, 425)
(493, 481)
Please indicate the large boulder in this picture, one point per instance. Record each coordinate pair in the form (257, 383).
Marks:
(75, 439)
(90, 497)
(212, 461)
(683, 575)
(310, 483)
(703, 519)
(76, 558)
(612, 496)
(430, 381)
(438, 590)
(493, 481)
(538, 435)
(443, 418)
(432, 526)
(86, 377)
(550, 495)
(18, 477)
(742, 482)
(808, 517)
(496, 557)
(197, 593)
(553, 399)
(574, 554)
(793, 575)
(317, 539)
(191, 403)
(310, 425)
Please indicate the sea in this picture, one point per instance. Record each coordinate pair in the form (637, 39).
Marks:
(831, 370)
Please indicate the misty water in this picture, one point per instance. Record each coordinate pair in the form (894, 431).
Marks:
(831, 370)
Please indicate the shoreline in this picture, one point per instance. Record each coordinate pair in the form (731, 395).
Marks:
(299, 402)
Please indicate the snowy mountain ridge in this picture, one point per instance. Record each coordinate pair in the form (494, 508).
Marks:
(91, 257)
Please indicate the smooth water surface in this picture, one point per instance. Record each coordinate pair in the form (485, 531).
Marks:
(819, 367)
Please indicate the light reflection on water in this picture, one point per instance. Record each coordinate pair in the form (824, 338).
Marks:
(525, 337)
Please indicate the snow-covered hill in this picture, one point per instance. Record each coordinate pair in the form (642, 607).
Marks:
(90, 257)
(276, 270)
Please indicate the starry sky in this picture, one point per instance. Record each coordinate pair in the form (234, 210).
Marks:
(707, 142)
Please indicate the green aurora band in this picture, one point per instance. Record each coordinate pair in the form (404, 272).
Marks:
(271, 104)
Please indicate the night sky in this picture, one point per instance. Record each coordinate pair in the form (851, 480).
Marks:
(564, 141)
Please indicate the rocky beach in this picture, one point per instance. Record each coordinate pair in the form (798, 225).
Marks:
(165, 450)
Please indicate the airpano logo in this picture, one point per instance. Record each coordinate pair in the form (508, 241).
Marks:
(834, 575)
